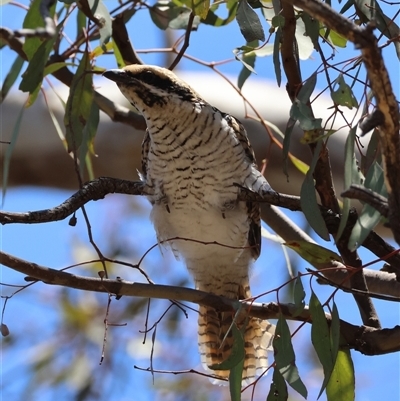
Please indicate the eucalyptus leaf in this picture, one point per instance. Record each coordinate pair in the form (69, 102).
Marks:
(344, 96)
(79, 104)
(249, 22)
(320, 338)
(11, 77)
(341, 385)
(278, 390)
(103, 16)
(298, 296)
(285, 357)
(276, 56)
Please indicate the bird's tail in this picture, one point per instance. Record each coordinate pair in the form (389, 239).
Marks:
(215, 337)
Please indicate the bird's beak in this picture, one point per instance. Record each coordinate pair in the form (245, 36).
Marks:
(118, 76)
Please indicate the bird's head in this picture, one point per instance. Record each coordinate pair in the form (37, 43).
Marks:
(149, 87)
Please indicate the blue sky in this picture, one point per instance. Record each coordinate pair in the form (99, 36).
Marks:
(57, 244)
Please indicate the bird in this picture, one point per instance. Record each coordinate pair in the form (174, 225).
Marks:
(195, 161)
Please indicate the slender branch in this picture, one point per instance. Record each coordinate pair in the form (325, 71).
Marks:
(367, 340)
(49, 29)
(366, 195)
(185, 43)
(93, 190)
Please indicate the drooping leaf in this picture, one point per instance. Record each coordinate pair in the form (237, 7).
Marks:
(249, 23)
(302, 113)
(308, 199)
(305, 46)
(341, 385)
(33, 75)
(285, 357)
(298, 296)
(199, 7)
(276, 56)
(78, 104)
(89, 133)
(307, 89)
(278, 390)
(33, 20)
(313, 253)
(311, 28)
(11, 77)
(299, 164)
(320, 338)
(237, 354)
(369, 217)
(214, 20)
(286, 143)
(350, 165)
(310, 208)
(166, 14)
(343, 95)
(334, 332)
(248, 60)
(9, 151)
(236, 371)
(100, 12)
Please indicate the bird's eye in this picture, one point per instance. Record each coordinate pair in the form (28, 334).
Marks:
(148, 77)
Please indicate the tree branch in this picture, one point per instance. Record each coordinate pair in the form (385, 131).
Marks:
(366, 195)
(366, 340)
(386, 102)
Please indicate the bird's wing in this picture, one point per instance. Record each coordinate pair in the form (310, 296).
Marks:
(253, 208)
(145, 152)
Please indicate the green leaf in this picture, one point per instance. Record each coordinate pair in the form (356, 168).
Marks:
(248, 60)
(311, 27)
(9, 151)
(33, 76)
(285, 358)
(299, 164)
(11, 77)
(310, 208)
(341, 385)
(32, 20)
(303, 114)
(100, 12)
(89, 133)
(276, 56)
(335, 332)
(307, 89)
(286, 143)
(166, 14)
(350, 167)
(78, 104)
(236, 357)
(320, 338)
(249, 23)
(236, 371)
(369, 217)
(199, 7)
(344, 96)
(298, 295)
(313, 253)
(278, 390)
(278, 21)
(214, 20)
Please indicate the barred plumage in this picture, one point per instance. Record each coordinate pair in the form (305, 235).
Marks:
(192, 157)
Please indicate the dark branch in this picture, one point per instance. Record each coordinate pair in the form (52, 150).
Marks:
(366, 195)
(366, 340)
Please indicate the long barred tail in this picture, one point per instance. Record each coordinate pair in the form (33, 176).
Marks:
(216, 345)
